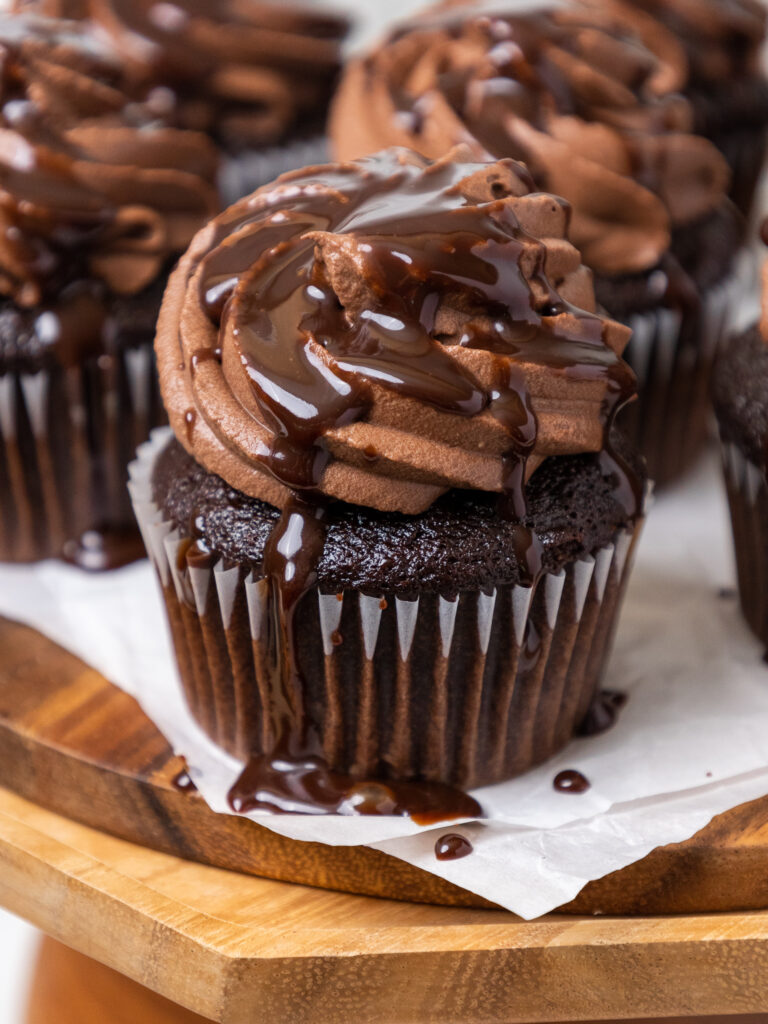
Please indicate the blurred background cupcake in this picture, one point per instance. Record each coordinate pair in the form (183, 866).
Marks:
(255, 77)
(588, 95)
(96, 200)
(741, 403)
(393, 495)
(723, 41)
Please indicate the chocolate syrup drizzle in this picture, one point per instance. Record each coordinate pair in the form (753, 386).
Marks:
(419, 244)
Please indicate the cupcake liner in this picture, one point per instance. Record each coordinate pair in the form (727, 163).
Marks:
(744, 149)
(67, 435)
(673, 357)
(242, 174)
(468, 689)
(747, 490)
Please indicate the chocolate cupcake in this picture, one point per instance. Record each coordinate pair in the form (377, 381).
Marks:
(588, 97)
(728, 91)
(393, 527)
(741, 404)
(96, 199)
(256, 77)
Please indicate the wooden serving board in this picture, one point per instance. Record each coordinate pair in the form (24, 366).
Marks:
(242, 950)
(75, 744)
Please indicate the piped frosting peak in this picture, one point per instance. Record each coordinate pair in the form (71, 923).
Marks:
(384, 330)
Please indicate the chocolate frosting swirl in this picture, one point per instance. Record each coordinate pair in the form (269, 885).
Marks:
(585, 93)
(246, 73)
(384, 330)
(722, 38)
(91, 186)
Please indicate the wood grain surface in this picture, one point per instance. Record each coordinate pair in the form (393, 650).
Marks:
(77, 745)
(245, 950)
(69, 988)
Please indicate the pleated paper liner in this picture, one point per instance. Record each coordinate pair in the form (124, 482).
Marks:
(748, 500)
(242, 174)
(744, 149)
(468, 690)
(67, 435)
(673, 357)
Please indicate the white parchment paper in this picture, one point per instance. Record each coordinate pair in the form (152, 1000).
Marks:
(691, 742)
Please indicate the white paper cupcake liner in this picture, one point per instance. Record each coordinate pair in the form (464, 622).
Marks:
(468, 690)
(747, 489)
(66, 437)
(673, 358)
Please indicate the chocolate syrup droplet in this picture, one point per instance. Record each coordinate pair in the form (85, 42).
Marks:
(336, 638)
(104, 549)
(571, 781)
(452, 847)
(190, 418)
(183, 782)
(603, 712)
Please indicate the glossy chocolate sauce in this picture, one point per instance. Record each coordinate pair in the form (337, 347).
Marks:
(452, 847)
(313, 352)
(183, 782)
(571, 781)
(287, 784)
(100, 550)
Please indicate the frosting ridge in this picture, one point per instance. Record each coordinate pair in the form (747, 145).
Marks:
(384, 330)
(245, 73)
(91, 185)
(585, 93)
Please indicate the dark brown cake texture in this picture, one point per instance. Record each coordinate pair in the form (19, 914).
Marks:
(588, 95)
(394, 528)
(96, 199)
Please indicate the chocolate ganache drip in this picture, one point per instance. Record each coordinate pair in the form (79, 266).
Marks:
(92, 187)
(586, 93)
(378, 332)
(244, 72)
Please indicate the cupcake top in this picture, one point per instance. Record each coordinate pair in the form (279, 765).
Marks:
(382, 331)
(92, 186)
(245, 73)
(722, 38)
(586, 93)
